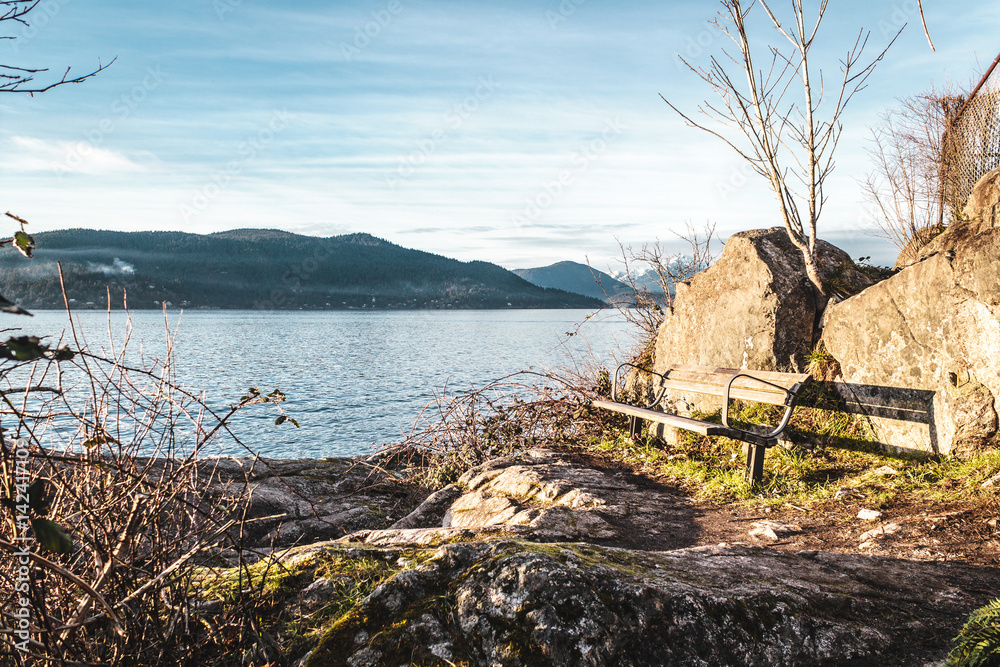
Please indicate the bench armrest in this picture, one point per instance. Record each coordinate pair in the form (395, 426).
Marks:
(614, 383)
(791, 395)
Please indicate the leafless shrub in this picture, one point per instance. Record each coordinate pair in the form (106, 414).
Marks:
(644, 308)
(906, 189)
(514, 413)
(119, 472)
(789, 143)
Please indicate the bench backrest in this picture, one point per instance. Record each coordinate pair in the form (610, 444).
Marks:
(713, 380)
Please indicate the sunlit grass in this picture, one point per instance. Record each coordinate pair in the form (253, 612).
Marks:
(714, 468)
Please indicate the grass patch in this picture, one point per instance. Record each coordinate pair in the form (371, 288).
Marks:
(842, 456)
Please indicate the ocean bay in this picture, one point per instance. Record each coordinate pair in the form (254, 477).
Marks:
(354, 379)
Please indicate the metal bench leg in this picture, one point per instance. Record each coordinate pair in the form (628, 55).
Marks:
(755, 463)
(634, 427)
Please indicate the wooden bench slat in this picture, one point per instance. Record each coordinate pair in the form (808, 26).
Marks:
(784, 379)
(767, 375)
(708, 377)
(721, 380)
(704, 428)
(772, 397)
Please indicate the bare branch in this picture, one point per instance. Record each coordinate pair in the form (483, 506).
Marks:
(14, 79)
(905, 188)
(923, 22)
(790, 143)
(646, 307)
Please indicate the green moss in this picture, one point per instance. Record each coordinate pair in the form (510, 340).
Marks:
(338, 641)
(353, 573)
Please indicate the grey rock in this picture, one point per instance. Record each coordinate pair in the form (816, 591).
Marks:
(879, 532)
(773, 530)
(545, 496)
(318, 593)
(519, 604)
(432, 511)
(754, 308)
(299, 501)
(918, 351)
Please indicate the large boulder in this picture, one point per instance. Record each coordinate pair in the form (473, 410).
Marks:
(518, 604)
(755, 307)
(981, 214)
(930, 335)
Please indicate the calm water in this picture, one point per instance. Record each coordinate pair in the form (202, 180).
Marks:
(354, 380)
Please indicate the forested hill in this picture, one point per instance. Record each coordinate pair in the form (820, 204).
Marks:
(579, 279)
(259, 268)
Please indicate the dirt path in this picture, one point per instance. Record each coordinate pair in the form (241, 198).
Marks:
(946, 531)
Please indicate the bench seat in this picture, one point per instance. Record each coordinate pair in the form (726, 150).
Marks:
(768, 387)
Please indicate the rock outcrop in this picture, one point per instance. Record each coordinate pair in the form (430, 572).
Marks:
(980, 214)
(923, 344)
(548, 558)
(983, 207)
(299, 501)
(521, 604)
(754, 308)
(544, 495)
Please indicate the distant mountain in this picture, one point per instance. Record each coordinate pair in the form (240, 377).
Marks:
(644, 280)
(259, 268)
(579, 279)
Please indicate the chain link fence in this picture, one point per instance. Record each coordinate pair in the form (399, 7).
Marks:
(972, 142)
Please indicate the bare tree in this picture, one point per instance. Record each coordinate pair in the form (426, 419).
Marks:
(906, 188)
(790, 143)
(644, 306)
(21, 79)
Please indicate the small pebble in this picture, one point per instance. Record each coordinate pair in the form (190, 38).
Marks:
(881, 531)
(869, 515)
(991, 481)
(773, 530)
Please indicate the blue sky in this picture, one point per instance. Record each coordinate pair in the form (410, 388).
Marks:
(516, 132)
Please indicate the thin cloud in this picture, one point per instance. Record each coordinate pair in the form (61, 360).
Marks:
(66, 157)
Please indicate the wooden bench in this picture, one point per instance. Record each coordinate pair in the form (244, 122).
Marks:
(728, 383)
